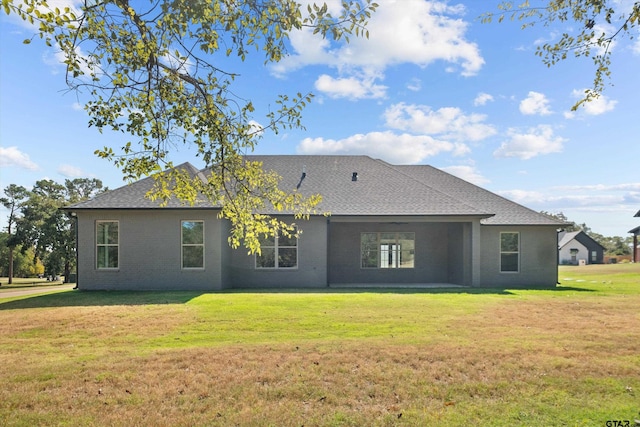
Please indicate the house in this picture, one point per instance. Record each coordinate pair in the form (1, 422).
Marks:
(578, 248)
(636, 246)
(389, 225)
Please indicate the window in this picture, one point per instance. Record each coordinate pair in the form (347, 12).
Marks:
(594, 256)
(278, 252)
(192, 244)
(387, 250)
(107, 247)
(509, 252)
(574, 255)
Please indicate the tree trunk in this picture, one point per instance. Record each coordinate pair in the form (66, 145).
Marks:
(67, 271)
(10, 265)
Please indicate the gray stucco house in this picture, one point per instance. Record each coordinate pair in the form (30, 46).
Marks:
(388, 225)
(577, 247)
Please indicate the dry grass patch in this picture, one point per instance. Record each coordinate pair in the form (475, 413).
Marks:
(535, 358)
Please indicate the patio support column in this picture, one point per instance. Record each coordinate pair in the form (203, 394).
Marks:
(475, 253)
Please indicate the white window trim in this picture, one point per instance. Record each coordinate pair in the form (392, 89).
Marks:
(182, 245)
(99, 221)
(500, 251)
(276, 246)
(378, 267)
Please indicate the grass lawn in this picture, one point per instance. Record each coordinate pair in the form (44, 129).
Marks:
(498, 357)
(25, 283)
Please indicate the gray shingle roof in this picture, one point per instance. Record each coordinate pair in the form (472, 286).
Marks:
(564, 238)
(132, 196)
(380, 189)
(580, 236)
(506, 212)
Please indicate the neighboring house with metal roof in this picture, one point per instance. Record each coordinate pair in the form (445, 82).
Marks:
(388, 225)
(577, 248)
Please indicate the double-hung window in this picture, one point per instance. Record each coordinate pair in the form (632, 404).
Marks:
(509, 252)
(107, 244)
(278, 252)
(192, 244)
(387, 250)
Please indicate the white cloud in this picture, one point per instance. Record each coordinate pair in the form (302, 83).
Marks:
(559, 198)
(257, 128)
(537, 141)
(350, 87)
(414, 85)
(415, 32)
(12, 156)
(468, 173)
(57, 61)
(394, 148)
(635, 186)
(71, 171)
(482, 99)
(535, 103)
(600, 105)
(606, 32)
(447, 123)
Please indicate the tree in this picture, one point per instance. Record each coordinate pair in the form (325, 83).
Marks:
(46, 228)
(25, 263)
(15, 194)
(154, 70)
(595, 26)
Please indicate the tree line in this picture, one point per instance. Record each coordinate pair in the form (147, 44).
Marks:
(40, 238)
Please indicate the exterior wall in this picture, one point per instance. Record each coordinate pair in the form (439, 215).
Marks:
(592, 246)
(312, 262)
(565, 253)
(149, 251)
(538, 258)
(328, 253)
(441, 254)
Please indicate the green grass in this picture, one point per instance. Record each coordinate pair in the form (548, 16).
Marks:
(498, 357)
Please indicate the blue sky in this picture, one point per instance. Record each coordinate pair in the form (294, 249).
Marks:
(432, 85)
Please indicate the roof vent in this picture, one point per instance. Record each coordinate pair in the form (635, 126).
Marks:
(354, 177)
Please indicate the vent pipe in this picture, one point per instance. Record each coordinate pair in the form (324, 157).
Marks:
(354, 177)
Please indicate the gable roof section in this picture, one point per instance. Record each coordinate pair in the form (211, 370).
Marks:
(579, 236)
(133, 196)
(566, 237)
(380, 189)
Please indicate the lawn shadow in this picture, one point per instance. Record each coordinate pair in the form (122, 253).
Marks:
(76, 298)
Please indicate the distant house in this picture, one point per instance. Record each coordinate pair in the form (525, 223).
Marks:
(389, 226)
(577, 247)
(636, 246)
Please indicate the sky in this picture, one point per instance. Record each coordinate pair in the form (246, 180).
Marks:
(432, 85)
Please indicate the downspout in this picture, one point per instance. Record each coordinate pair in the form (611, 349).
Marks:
(328, 252)
(75, 217)
(558, 231)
